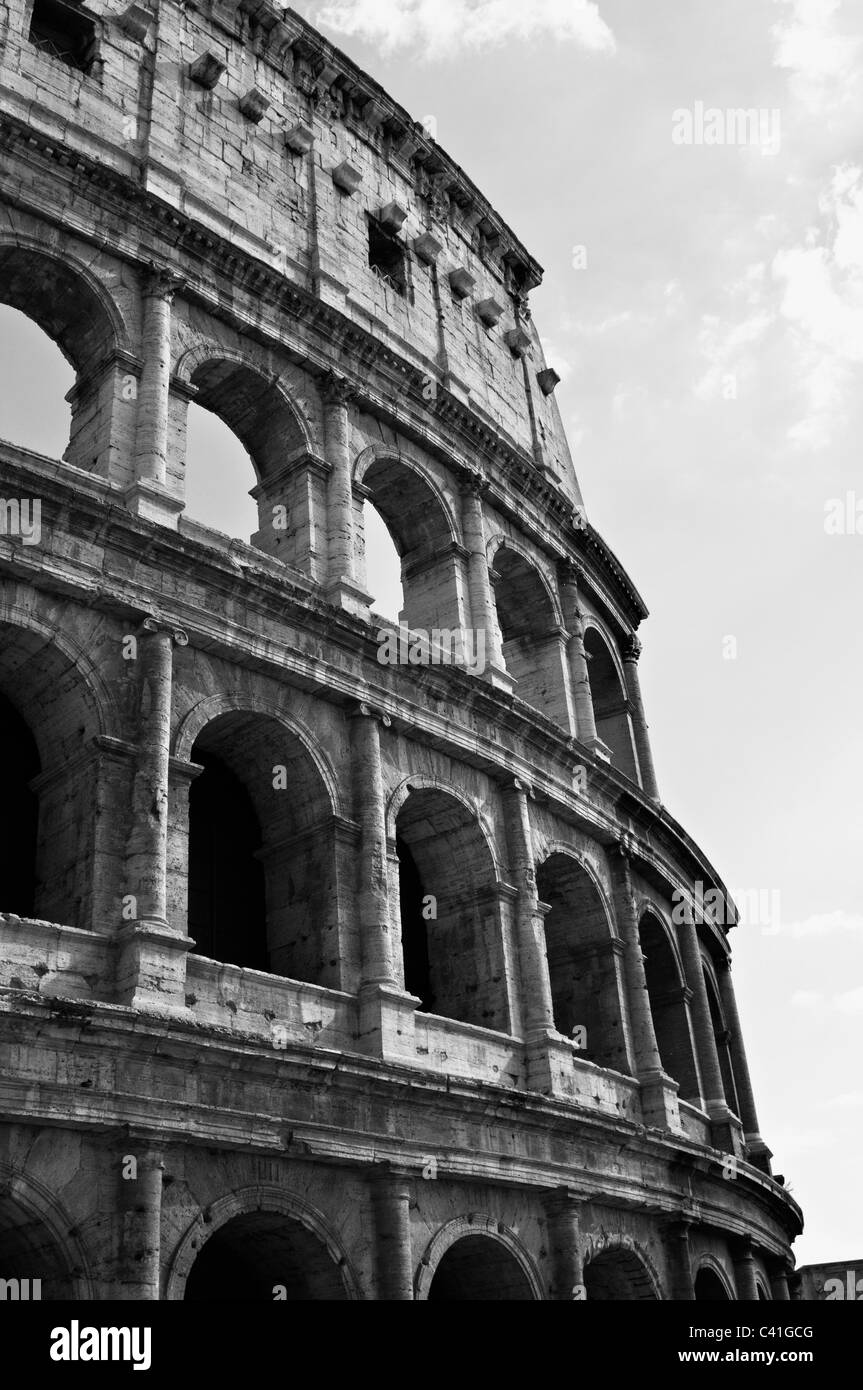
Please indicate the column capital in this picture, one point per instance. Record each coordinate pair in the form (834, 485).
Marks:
(625, 847)
(152, 626)
(161, 282)
(631, 647)
(361, 710)
(472, 484)
(570, 573)
(336, 389)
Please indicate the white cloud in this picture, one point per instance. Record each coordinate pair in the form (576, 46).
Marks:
(821, 284)
(824, 924)
(822, 62)
(851, 1002)
(806, 999)
(440, 28)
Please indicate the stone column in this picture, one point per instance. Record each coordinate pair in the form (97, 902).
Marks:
(778, 1271)
(585, 722)
(342, 586)
(482, 604)
(562, 1216)
(744, 1270)
(680, 1258)
(138, 1274)
(756, 1148)
(631, 653)
(148, 496)
(151, 964)
(385, 1010)
(658, 1092)
(705, 1038)
(393, 1256)
(530, 932)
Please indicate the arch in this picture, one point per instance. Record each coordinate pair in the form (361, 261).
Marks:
(423, 529)
(16, 611)
(270, 1201)
(583, 962)
(421, 781)
(618, 1269)
(610, 701)
(252, 401)
(668, 996)
(721, 1034)
(764, 1293)
(529, 621)
(375, 455)
(500, 541)
(38, 1239)
(261, 850)
(451, 932)
(205, 711)
(521, 1280)
(69, 303)
(51, 720)
(711, 1283)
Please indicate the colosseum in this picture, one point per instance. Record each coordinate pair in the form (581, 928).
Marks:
(331, 966)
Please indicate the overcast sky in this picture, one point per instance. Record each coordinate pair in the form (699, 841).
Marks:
(704, 305)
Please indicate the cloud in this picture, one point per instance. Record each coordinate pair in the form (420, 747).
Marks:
(441, 28)
(849, 1100)
(806, 999)
(821, 286)
(822, 62)
(851, 1002)
(824, 924)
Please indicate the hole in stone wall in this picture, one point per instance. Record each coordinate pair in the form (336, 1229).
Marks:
(383, 566)
(64, 32)
(18, 813)
(227, 916)
(387, 257)
(477, 1268)
(668, 1007)
(219, 473)
(36, 376)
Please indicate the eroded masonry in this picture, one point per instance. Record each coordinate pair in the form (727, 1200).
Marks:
(324, 977)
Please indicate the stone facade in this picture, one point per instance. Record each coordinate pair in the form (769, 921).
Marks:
(321, 977)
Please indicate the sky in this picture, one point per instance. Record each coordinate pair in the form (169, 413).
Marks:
(703, 303)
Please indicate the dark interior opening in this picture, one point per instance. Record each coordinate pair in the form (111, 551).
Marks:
(18, 813)
(387, 257)
(64, 32)
(227, 907)
(414, 929)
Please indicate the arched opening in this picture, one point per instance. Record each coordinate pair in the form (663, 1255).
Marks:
(73, 316)
(451, 937)
(419, 530)
(479, 1269)
(19, 813)
(264, 1257)
(261, 852)
(610, 706)
(383, 566)
(30, 1252)
(227, 901)
(709, 1288)
(583, 965)
(219, 475)
(34, 412)
(244, 456)
(530, 636)
(617, 1276)
(668, 1007)
(48, 720)
(723, 1048)
(763, 1295)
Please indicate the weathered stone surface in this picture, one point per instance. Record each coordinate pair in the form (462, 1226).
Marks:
(366, 968)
